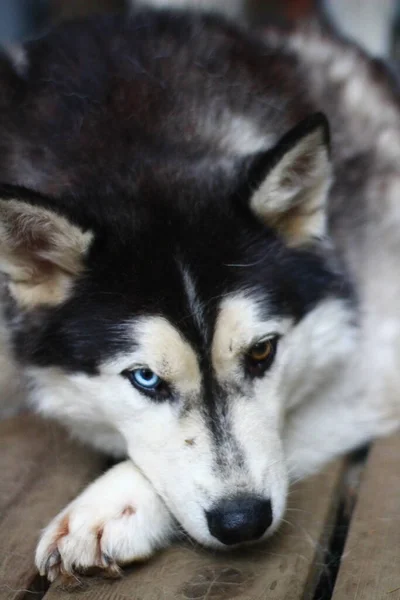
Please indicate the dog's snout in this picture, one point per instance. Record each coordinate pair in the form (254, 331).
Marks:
(240, 519)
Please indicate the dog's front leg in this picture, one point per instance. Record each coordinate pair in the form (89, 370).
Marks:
(118, 519)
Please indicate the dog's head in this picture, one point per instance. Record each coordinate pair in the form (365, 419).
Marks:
(186, 319)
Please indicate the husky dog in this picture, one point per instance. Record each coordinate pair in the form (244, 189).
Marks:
(196, 278)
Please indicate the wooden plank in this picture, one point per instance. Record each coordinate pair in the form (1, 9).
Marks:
(370, 567)
(40, 471)
(20, 456)
(286, 568)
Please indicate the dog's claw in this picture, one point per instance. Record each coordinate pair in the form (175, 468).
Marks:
(106, 559)
(111, 569)
(51, 567)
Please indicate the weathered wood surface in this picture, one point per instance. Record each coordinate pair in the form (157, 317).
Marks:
(286, 568)
(370, 566)
(40, 471)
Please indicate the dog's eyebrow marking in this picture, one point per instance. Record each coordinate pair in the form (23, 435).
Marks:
(162, 348)
(239, 323)
(236, 324)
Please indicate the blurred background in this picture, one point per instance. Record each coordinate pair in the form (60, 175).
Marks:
(375, 24)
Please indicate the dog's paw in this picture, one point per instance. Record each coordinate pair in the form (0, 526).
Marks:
(118, 519)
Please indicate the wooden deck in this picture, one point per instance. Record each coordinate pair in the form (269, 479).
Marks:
(40, 471)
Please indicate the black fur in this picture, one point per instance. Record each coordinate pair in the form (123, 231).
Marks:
(104, 129)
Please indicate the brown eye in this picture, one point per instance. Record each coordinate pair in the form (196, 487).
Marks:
(261, 351)
(260, 356)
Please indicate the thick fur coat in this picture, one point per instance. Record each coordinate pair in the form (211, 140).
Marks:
(198, 240)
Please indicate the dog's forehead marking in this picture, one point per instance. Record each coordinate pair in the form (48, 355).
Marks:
(162, 347)
(240, 324)
(195, 304)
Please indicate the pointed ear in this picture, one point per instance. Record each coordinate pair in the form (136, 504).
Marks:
(290, 183)
(41, 252)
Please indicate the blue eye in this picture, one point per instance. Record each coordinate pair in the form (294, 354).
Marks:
(145, 378)
(149, 383)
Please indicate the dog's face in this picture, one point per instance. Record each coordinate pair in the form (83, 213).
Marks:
(185, 322)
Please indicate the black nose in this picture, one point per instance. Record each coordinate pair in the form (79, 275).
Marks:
(239, 519)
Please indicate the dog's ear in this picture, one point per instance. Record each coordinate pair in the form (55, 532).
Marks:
(41, 252)
(290, 183)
